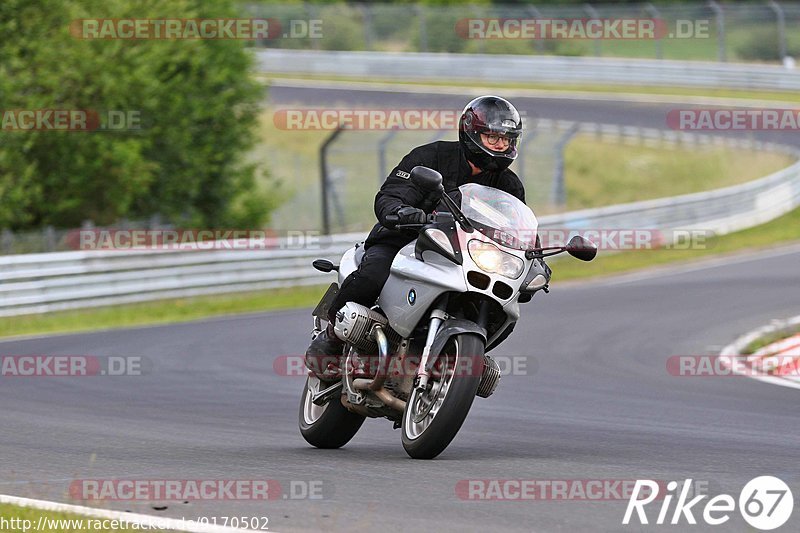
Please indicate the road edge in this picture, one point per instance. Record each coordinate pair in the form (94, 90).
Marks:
(736, 348)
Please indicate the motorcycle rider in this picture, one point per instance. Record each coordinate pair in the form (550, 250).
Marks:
(488, 133)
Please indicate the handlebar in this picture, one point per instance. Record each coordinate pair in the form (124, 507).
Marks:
(410, 226)
(394, 219)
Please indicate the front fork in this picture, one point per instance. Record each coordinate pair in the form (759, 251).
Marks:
(438, 317)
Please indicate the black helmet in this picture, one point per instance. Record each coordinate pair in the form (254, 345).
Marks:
(489, 114)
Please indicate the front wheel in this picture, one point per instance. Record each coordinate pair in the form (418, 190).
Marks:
(326, 426)
(433, 417)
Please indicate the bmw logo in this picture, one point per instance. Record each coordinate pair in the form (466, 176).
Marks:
(412, 297)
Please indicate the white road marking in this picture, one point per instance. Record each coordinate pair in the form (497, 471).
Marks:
(131, 518)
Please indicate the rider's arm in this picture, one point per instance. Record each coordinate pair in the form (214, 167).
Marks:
(398, 191)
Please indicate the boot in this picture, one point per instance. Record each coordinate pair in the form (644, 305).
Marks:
(324, 351)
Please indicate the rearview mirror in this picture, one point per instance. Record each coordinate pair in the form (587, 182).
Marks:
(582, 249)
(426, 179)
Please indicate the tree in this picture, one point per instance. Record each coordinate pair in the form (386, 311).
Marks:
(194, 99)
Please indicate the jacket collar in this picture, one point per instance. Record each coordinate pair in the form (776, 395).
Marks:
(484, 177)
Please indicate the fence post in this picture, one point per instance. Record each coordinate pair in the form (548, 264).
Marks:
(7, 241)
(336, 176)
(49, 234)
(720, 15)
(386, 139)
(656, 14)
(423, 28)
(595, 15)
(311, 11)
(559, 189)
(366, 15)
(781, 20)
(323, 167)
(538, 43)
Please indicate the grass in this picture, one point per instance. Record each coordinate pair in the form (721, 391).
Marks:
(599, 173)
(27, 519)
(783, 96)
(782, 230)
(160, 312)
(769, 338)
(785, 229)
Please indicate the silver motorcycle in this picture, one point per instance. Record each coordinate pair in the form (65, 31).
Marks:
(419, 356)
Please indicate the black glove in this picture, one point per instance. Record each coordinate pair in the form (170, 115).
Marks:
(411, 215)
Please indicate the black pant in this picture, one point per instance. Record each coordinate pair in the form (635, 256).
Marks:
(364, 285)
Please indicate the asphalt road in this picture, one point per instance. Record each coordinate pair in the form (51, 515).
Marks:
(628, 112)
(596, 402)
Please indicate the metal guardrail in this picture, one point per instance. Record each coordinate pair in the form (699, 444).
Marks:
(487, 68)
(37, 283)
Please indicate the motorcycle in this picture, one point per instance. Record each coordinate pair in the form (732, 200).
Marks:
(419, 356)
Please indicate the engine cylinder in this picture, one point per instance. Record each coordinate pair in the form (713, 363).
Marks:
(354, 323)
(489, 378)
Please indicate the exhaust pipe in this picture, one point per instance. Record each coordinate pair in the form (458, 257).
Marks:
(383, 395)
(376, 385)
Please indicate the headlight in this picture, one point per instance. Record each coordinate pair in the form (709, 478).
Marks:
(490, 258)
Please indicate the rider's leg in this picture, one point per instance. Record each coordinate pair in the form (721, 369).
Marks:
(362, 286)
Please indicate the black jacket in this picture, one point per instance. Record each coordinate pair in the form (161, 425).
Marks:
(448, 159)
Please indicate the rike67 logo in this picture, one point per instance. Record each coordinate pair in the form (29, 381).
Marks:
(765, 503)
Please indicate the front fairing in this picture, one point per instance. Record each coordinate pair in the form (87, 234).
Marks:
(414, 284)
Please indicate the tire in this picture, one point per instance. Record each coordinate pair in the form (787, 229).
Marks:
(430, 441)
(327, 426)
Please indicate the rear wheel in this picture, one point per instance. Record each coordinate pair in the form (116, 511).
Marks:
(326, 426)
(433, 417)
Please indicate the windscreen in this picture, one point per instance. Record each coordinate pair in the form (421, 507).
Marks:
(499, 215)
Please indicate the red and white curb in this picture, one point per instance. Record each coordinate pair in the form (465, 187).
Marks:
(142, 520)
(782, 358)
